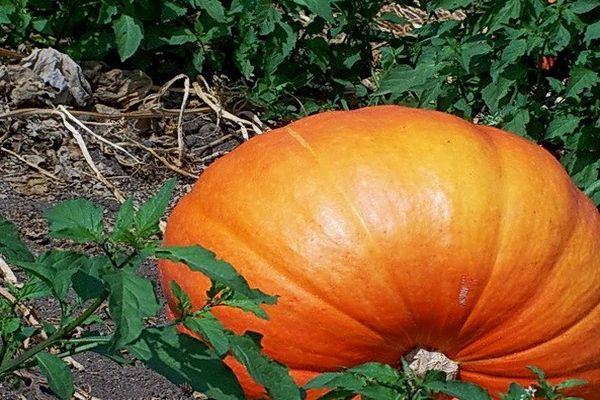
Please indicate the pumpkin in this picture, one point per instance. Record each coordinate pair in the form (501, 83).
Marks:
(386, 229)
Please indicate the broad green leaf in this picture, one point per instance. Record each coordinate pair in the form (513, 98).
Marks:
(128, 34)
(202, 260)
(580, 79)
(583, 6)
(55, 268)
(471, 50)
(171, 10)
(214, 8)
(184, 302)
(246, 304)
(336, 380)
(131, 300)
(460, 389)
(11, 245)
(592, 33)
(124, 223)
(148, 215)
(449, 4)
(562, 126)
(518, 123)
(570, 383)
(494, 92)
(382, 372)
(9, 325)
(86, 286)
(211, 329)
(402, 78)
(106, 13)
(57, 373)
(185, 360)
(79, 220)
(322, 8)
(272, 375)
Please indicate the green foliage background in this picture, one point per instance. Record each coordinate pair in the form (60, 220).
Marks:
(294, 57)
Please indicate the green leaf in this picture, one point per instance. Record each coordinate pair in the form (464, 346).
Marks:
(494, 92)
(382, 372)
(450, 4)
(211, 329)
(322, 8)
(592, 32)
(55, 268)
(11, 245)
(171, 10)
(336, 380)
(471, 50)
(202, 260)
(184, 303)
(214, 8)
(122, 231)
(131, 300)
(580, 79)
(128, 34)
(185, 360)
(460, 389)
(403, 78)
(57, 373)
(246, 304)
(148, 215)
(562, 126)
(79, 220)
(583, 6)
(272, 375)
(518, 123)
(86, 286)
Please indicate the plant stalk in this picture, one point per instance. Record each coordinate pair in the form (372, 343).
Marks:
(16, 362)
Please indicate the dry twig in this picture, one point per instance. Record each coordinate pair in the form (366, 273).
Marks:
(32, 165)
(163, 160)
(88, 158)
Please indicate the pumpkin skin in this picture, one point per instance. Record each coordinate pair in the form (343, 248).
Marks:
(388, 228)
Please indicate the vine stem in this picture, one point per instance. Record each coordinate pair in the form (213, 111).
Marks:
(14, 364)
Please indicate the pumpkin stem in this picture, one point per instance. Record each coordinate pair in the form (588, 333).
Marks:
(424, 360)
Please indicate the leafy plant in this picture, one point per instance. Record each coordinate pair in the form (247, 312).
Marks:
(373, 381)
(81, 281)
(531, 67)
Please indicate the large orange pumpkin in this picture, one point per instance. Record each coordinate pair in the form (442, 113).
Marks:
(389, 228)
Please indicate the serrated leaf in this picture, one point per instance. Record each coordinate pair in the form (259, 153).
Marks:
(171, 10)
(211, 329)
(55, 268)
(583, 6)
(148, 215)
(79, 220)
(402, 78)
(592, 32)
(580, 79)
(336, 380)
(124, 223)
(184, 303)
(562, 126)
(272, 375)
(322, 8)
(131, 300)
(128, 34)
(11, 245)
(57, 373)
(494, 92)
(381, 372)
(202, 260)
(185, 360)
(518, 124)
(471, 50)
(460, 389)
(214, 8)
(246, 304)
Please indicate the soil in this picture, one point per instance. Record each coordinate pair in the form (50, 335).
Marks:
(25, 193)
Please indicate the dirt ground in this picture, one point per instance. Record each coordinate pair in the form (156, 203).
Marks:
(25, 192)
